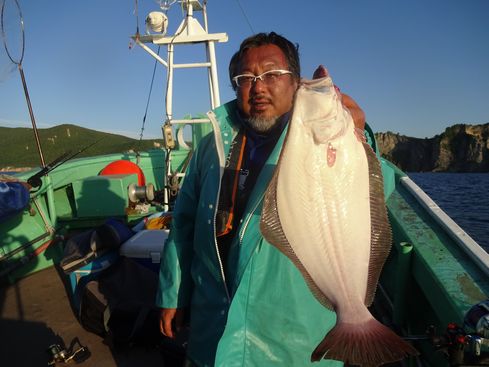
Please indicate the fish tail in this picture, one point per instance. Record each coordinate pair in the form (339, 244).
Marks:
(371, 344)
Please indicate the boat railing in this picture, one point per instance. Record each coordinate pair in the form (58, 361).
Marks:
(465, 242)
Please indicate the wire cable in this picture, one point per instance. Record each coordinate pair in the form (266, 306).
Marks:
(137, 17)
(184, 27)
(246, 17)
(148, 100)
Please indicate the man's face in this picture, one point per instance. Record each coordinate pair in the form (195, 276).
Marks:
(260, 103)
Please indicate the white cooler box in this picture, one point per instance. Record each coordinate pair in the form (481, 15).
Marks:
(145, 247)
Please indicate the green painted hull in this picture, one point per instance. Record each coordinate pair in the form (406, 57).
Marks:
(428, 280)
(62, 204)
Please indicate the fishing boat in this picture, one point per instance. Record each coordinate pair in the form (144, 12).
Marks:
(434, 289)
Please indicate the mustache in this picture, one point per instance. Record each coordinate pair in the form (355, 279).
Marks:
(260, 98)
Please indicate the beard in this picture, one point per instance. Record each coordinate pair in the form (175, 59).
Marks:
(262, 124)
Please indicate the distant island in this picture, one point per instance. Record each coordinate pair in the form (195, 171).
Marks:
(460, 148)
(19, 150)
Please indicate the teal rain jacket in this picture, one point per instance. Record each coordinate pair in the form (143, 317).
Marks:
(263, 314)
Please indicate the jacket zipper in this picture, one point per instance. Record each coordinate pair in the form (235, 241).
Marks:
(220, 154)
(248, 218)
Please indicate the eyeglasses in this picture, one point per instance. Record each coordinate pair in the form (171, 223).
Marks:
(268, 77)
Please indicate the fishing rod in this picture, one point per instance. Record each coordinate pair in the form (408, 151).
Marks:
(18, 263)
(35, 180)
(5, 257)
(15, 52)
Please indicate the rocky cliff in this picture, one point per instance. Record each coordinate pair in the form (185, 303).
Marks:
(460, 148)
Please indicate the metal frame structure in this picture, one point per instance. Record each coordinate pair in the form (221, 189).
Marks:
(189, 32)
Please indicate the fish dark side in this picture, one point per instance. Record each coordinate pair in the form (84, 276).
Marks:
(324, 208)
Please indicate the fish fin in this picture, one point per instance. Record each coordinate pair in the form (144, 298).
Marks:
(371, 344)
(273, 232)
(380, 232)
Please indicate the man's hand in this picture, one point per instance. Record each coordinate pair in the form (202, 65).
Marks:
(171, 321)
(356, 112)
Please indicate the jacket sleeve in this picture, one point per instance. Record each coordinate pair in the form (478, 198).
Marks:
(175, 281)
(369, 135)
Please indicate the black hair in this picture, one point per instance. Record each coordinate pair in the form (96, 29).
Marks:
(290, 51)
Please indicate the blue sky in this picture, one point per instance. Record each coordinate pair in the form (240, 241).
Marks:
(414, 66)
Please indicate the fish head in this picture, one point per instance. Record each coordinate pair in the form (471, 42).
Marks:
(320, 110)
(324, 131)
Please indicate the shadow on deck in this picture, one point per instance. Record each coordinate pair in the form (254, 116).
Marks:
(35, 313)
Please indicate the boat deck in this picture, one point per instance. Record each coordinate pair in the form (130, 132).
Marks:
(35, 313)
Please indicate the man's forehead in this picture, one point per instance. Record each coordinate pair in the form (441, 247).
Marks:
(265, 56)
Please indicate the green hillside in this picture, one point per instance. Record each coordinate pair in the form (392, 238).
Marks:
(19, 146)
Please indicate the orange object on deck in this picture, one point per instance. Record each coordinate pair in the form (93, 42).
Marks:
(124, 167)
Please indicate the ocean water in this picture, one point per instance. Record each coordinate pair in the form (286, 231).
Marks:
(464, 197)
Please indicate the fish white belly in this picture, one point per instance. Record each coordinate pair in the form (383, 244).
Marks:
(324, 209)
(325, 212)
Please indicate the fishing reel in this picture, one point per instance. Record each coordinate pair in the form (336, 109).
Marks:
(477, 321)
(468, 344)
(138, 194)
(59, 354)
(140, 198)
(35, 180)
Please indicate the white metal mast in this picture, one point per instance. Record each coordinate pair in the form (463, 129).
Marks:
(189, 32)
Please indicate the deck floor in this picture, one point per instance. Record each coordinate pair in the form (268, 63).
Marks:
(35, 312)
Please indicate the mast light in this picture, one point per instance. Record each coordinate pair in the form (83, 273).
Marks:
(156, 22)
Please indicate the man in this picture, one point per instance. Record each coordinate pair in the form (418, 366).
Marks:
(248, 304)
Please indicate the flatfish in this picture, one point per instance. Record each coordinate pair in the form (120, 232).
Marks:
(324, 208)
